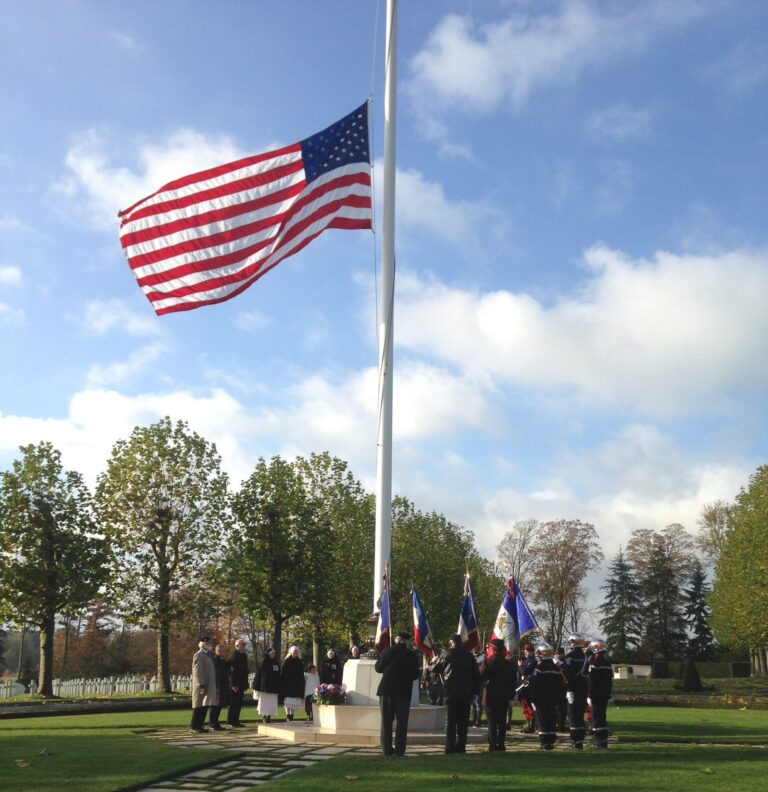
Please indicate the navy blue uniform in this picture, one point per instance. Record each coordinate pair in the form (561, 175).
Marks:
(575, 672)
(599, 687)
(546, 688)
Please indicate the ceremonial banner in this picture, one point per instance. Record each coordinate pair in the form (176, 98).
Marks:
(468, 629)
(422, 635)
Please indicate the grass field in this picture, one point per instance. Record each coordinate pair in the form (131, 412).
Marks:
(660, 748)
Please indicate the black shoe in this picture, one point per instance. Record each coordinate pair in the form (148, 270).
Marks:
(216, 727)
(201, 730)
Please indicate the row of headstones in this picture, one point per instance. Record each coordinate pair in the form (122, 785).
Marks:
(106, 686)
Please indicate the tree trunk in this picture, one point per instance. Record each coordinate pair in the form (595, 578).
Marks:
(278, 633)
(163, 664)
(45, 678)
(21, 653)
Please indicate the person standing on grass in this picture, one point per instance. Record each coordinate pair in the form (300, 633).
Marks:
(222, 685)
(498, 690)
(266, 685)
(461, 681)
(574, 669)
(238, 662)
(292, 682)
(545, 691)
(599, 688)
(399, 667)
(311, 681)
(204, 692)
(526, 667)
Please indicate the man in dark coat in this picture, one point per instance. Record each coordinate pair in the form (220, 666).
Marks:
(399, 667)
(599, 687)
(222, 685)
(330, 669)
(574, 670)
(498, 690)
(461, 681)
(238, 683)
(546, 689)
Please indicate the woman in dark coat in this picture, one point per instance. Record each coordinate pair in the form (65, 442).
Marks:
(292, 687)
(267, 683)
(330, 669)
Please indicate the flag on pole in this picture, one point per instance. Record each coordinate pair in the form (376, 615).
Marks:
(205, 238)
(384, 626)
(468, 629)
(422, 635)
(514, 621)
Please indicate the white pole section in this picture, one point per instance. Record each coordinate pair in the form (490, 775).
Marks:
(386, 316)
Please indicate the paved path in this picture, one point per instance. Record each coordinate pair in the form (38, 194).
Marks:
(265, 758)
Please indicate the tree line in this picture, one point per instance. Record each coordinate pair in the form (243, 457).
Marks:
(164, 545)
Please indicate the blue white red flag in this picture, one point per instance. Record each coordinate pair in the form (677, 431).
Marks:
(515, 621)
(468, 629)
(384, 626)
(205, 238)
(422, 635)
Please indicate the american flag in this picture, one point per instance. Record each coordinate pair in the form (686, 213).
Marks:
(205, 238)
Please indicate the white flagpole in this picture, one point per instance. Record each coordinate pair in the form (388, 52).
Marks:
(384, 447)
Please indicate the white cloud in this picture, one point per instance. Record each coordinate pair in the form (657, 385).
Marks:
(10, 276)
(620, 122)
(104, 316)
(474, 69)
(422, 205)
(673, 335)
(741, 70)
(125, 370)
(97, 190)
(252, 321)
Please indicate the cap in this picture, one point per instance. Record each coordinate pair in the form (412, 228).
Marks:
(497, 643)
(404, 635)
(456, 638)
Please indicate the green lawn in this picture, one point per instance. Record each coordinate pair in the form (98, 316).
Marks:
(93, 753)
(621, 769)
(659, 748)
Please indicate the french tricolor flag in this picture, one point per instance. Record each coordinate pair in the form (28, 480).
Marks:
(422, 635)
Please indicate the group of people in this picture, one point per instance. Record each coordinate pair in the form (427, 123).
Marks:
(551, 687)
(219, 681)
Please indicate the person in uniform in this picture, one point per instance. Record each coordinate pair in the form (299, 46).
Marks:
(399, 666)
(498, 690)
(545, 689)
(525, 669)
(204, 692)
(599, 687)
(461, 681)
(574, 669)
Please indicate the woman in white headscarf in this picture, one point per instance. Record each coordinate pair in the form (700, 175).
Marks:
(292, 687)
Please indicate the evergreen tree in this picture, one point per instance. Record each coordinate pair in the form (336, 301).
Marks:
(622, 609)
(701, 645)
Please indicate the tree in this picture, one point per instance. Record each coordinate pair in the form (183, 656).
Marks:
(348, 511)
(51, 557)
(164, 505)
(663, 561)
(622, 607)
(563, 553)
(432, 554)
(739, 598)
(714, 527)
(514, 551)
(281, 546)
(701, 645)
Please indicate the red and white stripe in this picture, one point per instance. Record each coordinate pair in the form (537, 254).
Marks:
(206, 237)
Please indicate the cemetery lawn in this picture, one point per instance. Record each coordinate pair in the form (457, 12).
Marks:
(94, 753)
(619, 769)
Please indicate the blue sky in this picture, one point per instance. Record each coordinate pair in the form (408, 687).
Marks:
(582, 250)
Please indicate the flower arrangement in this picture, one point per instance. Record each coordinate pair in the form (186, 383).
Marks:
(330, 694)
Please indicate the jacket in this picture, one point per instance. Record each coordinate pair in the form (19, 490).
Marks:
(460, 672)
(398, 667)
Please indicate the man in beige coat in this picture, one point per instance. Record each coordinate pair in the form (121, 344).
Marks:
(204, 692)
